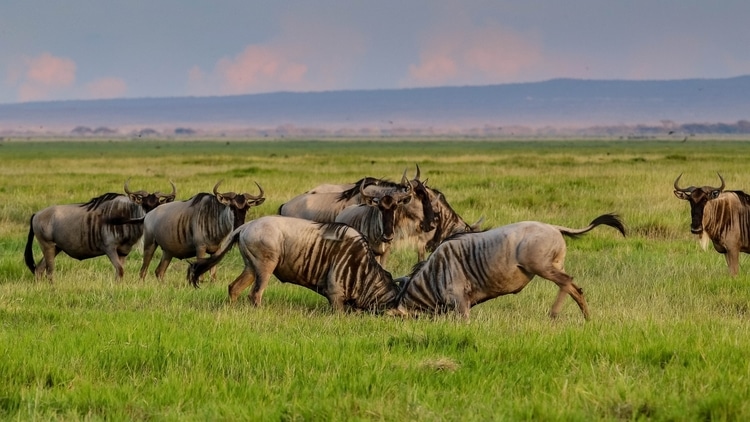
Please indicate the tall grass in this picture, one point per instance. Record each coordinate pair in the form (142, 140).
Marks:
(668, 338)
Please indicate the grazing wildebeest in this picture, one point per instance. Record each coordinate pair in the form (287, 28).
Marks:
(470, 268)
(331, 259)
(82, 230)
(723, 217)
(377, 218)
(195, 227)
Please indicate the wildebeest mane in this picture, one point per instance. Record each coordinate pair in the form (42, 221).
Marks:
(336, 231)
(744, 198)
(198, 198)
(333, 231)
(349, 193)
(96, 202)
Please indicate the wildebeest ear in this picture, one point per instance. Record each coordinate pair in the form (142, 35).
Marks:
(138, 199)
(223, 199)
(405, 200)
(682, 195)
(714, 194)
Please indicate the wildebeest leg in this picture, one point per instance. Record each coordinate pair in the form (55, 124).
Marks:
(335, 293)
(166, 258)
(733, 261)
(567, 287)
(239, 284)
(149, 247)
(114, 258)
(47, 263)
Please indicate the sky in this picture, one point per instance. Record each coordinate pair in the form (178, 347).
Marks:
(96, 49)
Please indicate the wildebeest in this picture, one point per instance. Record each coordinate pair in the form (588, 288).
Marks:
(331, 259)
(195, 227)
(324, 202)
(82, 231)
(377, 217)
(470, 268)
(723, 217)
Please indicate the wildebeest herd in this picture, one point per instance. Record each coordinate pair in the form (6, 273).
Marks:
(335, 238)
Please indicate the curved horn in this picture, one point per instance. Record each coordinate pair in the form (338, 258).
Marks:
(174, 189)
(216, 187)
(260, 195)
(127, 182)
(721, 188)
(405, 182)
(416, 176)
(676, 187)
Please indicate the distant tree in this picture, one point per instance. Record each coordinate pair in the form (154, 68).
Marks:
(81, 130)
(184, 131)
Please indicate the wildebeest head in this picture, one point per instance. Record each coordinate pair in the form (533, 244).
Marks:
(698, 197)
(239, 202)
(419, 189)
(387, 204)
(149, 201)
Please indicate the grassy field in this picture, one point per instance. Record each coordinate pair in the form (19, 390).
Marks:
(668, 339)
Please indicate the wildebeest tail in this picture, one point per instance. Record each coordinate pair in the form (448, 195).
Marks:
(28, 253)
(122, 220)
(612, 220)
(200, 266)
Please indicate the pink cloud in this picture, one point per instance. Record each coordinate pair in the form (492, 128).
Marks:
(476, 56)
(304, 56)
(44, 77)
(259, 68)
(109, 87)
(255, 69)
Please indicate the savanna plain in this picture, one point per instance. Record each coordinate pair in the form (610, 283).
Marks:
(668, 338)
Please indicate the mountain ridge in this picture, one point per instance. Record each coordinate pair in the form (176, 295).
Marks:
(555, 104)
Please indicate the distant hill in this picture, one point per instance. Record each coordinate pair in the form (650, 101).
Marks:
(553, 106)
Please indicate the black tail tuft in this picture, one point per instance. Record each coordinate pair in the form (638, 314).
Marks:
(29, 253)
(611, 220)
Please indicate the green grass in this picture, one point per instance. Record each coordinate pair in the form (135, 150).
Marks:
(668, 337)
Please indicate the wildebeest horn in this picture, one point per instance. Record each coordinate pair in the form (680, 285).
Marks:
(721, 188)
(126, 187)
(405, 182)
(416, 176)
(676, 187)
(216, 187)
(260, 195)
(174, 189)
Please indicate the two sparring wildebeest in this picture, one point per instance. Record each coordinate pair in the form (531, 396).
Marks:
(337, 262)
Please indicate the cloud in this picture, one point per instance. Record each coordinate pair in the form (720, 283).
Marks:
(109, 87)
(303, 57)
(43, 77)
(485, 55)
(259, 68)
